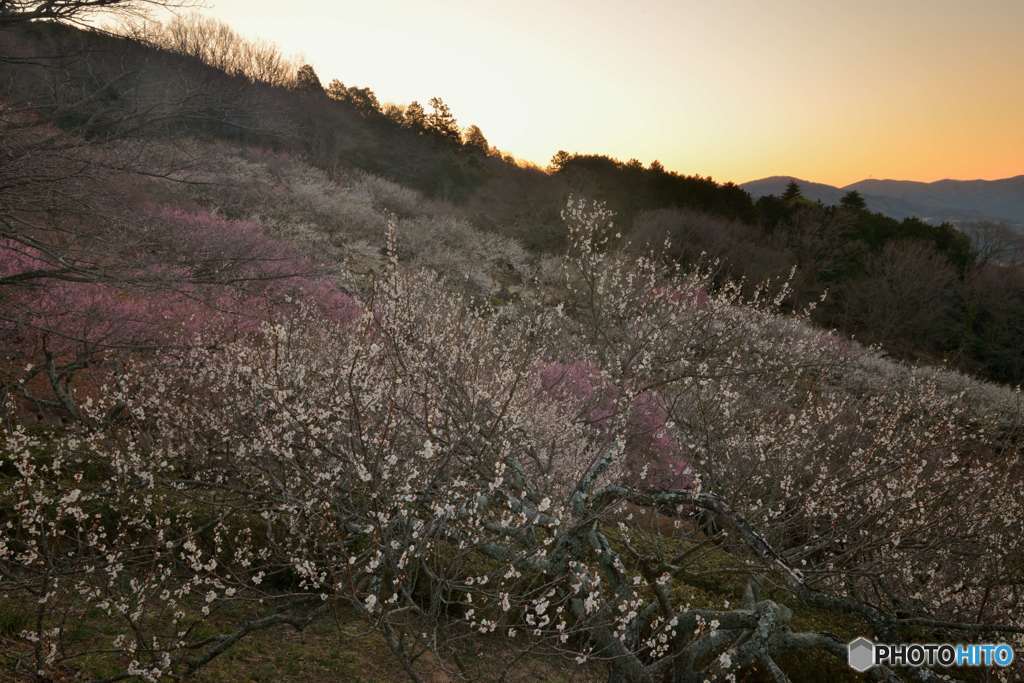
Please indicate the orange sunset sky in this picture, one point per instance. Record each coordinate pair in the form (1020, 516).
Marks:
(735, 89)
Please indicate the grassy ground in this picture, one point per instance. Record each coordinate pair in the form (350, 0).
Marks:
(339, 648)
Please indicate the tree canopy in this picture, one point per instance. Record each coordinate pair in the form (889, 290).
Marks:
(306, 80)
(792, 192)
(853, 200)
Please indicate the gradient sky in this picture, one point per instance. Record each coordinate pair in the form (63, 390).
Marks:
(735, 89)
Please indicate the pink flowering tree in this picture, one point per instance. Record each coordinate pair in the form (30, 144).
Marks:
(453, 472)
(176, 274)
(85, 265)
(653, 456)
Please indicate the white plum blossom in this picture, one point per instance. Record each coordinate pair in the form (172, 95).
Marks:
(548, 472)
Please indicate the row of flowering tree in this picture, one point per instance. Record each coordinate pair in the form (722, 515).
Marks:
(550, 477)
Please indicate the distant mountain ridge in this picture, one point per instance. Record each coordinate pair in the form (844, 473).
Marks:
(955, 201)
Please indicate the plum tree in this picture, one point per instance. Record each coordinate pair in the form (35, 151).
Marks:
(451, 471)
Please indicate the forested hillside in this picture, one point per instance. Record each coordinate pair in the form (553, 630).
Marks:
(302, 386)
(966, 311)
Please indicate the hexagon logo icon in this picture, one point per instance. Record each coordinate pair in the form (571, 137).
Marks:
(860, 654)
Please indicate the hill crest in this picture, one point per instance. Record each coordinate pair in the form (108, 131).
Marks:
(956, 201)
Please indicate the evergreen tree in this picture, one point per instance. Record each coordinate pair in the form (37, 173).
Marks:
(307, 80)
(442, 122)
(559, 160)
(363, 99)
(474, 138)
(853, 200)
(394, 113)
(415, 117)
(792, 192)
(337, 90)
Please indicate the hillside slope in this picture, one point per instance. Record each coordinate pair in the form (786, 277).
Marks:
(255, 434)
(263, 404)
(152, 94)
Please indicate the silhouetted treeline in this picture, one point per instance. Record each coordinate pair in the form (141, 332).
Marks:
(629, 187)
(920, 290)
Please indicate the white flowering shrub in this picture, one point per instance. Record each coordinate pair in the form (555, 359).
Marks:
(346, 217)
(549, 475)
(453, 248)
(392, 197)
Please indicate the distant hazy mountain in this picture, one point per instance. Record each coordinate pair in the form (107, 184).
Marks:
(943, 200)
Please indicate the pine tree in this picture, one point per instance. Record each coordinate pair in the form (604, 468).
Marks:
(337, 90)
(307, 80)
(441, 120)
(415, 117)
(363, 99)
(559, 160)
(394, 113)
(792, 192)
(853, 200)
(474, 137)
